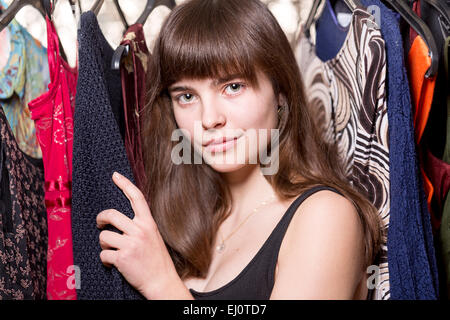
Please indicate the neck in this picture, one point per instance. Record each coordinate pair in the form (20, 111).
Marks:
(248, 188)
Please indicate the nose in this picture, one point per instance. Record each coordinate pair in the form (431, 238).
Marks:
(213, 115)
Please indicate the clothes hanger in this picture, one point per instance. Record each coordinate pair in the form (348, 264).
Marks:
(119, 53)
(73, 4)
(123, 50)
(122, 16)
(444, 12)
(44, 7)
(152, 4)
(310, 19)
(98, 4)
(436, 14)
(351, 4)
(407, 14)
(422, 29)
(439, 5)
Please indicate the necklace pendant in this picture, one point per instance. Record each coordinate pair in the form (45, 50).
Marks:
(220, 247)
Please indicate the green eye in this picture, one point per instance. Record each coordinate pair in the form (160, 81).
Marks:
(186, 98)
(233, 88)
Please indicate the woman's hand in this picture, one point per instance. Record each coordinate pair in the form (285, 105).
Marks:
(140, 253)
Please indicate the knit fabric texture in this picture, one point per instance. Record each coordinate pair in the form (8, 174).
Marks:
(411, 256)
(98, 151)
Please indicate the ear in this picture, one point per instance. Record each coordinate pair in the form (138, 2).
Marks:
(282, 101)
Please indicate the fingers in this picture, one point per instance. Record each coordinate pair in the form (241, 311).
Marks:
(116, 219)
(111, 240)
(108, 257)
(137, 199)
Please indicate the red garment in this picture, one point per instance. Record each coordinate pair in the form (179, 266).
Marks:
(439, 174)
(53, 116)
(133, 71)
(412, 33)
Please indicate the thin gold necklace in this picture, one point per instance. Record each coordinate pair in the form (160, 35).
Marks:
(221, 246)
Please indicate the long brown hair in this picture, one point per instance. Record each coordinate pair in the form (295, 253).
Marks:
(205, 39)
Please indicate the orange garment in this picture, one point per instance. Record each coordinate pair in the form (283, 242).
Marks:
(422, 90)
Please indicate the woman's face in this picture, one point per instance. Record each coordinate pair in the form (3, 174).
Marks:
(227, 121)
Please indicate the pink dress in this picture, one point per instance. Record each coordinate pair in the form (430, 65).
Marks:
(53, 116)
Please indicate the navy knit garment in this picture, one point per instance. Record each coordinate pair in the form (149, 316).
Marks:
(98, 151)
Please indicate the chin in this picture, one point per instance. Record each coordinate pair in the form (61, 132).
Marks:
(232, 160)
(226, 162)
(227, 168)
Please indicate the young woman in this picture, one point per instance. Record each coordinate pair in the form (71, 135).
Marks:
(223, 72)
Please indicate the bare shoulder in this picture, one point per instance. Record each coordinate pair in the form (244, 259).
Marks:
(322, 252)
(327, 211)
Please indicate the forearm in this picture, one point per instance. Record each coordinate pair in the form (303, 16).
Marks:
(172, 289)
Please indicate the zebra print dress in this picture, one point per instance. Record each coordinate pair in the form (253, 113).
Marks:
(348, 97)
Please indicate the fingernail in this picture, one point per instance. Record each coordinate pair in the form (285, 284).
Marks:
(117, 175)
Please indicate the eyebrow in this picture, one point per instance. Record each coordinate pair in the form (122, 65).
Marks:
(228, 78)
(216, 82)
(180, 88)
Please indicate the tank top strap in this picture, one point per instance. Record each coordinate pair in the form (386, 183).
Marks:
(273, 243)
(52, 49)
(286, 219)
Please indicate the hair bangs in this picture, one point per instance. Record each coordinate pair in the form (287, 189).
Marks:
(209, 48)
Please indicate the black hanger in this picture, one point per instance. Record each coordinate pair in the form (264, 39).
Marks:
(444, 12)
(48, 6)
(122, 50)
(309, 20)
(119, 53)
(422, 29)
(98, 4)
(122, 16)
(72, 5)
(152, 4)
(351, 4)
(44, 6)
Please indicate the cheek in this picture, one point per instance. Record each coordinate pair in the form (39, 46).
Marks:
(184, 120)
(259, 118)
(258, 114)
(190, 125)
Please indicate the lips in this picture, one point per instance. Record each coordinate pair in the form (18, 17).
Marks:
(219, 141)
(220, 144)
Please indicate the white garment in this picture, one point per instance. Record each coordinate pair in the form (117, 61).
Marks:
(5, 47)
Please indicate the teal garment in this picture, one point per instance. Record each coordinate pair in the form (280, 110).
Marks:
(24, 78)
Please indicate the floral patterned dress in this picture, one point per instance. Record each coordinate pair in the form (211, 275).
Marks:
(23, 225)
(53, 115)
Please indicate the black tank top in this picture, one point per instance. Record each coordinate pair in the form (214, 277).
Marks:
(256, 281)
